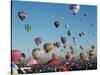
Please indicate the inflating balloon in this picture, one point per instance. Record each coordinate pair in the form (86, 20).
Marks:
(22, 15)
(48, 47)
(31, 62)
(28, 27)
(56, 24)
(15, 56)
(38, 40)
(74, 8)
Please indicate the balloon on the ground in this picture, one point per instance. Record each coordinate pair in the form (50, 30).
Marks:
(15, 56)
(31, 62)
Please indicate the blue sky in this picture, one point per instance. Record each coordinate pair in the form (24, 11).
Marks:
(42, 16)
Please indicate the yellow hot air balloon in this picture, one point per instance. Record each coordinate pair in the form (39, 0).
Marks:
(48, 47)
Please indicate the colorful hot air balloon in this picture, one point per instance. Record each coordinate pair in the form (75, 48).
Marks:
(74, 8)
(56, 24)
(48, 47)
(55, 60)
(57, 44)
(37, 52)
(22, 15)
(91, 54)
(38, 40)
(31, 62)
(28, 27)
(63, 40)
(15, 56)
(82, 56)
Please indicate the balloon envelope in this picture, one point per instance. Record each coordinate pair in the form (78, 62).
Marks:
(74, 8)
(56, 23)
(38, 40)
(22, 15)
(48, 47)
(31, 61)
(37, 52)
(63, 40)
(15, 56)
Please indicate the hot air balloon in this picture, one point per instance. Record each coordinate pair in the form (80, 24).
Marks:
(69, 33)
(57, 44)
(74, 8)
(82, 56)
(93, 47)
(74, 40)
(72, 48)
(22, 59)
(55, 60)
(91, 54)
(15, 56)
(31, 62)
(37, 52)
(85, 14)
(38, 40)
(81, 47)
(48, 47)
(61, 18)
(80, 34)
(22, 15)
(69, 56)
(56, 24)
(83, 33)
(66, 26)
(63, 40)
(28, 27)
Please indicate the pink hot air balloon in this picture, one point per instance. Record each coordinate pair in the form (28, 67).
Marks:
(15, 56)
(32, 61)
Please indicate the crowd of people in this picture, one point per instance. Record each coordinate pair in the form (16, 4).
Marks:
(63, 67)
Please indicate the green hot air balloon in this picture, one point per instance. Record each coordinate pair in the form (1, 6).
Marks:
(28, 27)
